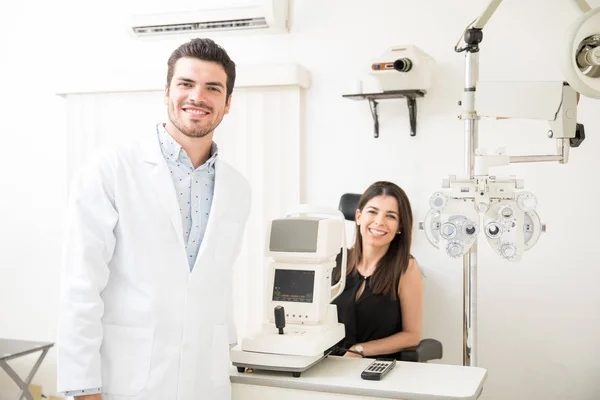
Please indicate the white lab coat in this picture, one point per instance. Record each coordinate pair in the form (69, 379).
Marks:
(133, 319)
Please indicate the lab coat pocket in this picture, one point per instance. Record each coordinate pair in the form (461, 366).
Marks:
(220, 356)
(126, 355)
(228, 234)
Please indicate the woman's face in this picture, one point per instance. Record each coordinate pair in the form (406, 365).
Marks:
(379, 221)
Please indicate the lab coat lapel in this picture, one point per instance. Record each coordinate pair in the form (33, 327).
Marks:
(221, 202)
(163, 183)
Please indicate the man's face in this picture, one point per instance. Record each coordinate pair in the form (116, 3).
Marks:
(196, 98)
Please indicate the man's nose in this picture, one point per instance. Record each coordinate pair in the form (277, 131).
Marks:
(197, 95)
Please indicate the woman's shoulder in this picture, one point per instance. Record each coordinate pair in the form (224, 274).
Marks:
(410, 266)
(410, 278)
(412, 263)
(412, 269)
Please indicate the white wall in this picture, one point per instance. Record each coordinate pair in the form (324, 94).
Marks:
(539, 320)
(31, 180)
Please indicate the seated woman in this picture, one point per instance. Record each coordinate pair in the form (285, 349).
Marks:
(381, 306)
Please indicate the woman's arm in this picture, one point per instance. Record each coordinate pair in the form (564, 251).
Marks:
(410, 292)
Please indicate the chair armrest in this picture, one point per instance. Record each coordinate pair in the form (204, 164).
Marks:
(428, 349)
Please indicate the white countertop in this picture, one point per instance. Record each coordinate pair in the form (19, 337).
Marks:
(408, 380)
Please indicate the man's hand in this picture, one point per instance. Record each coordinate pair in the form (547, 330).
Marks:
(89, 397)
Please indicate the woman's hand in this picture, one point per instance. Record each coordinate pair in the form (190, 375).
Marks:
(353, 355)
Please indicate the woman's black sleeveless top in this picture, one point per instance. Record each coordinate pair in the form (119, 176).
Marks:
(371, 317)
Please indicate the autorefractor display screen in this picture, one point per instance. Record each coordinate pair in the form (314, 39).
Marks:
(294, 285)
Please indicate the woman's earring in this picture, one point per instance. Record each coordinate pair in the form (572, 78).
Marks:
(399, 232)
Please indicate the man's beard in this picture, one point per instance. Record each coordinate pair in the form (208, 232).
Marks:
(191, 129)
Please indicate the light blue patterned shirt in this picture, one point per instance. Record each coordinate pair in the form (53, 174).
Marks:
(195, 188)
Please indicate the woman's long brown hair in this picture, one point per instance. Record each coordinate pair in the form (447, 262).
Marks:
(395, 261)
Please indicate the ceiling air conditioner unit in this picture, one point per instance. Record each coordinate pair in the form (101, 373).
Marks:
(261, 16)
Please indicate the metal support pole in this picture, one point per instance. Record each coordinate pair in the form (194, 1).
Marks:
(473, 35)
(470, 118)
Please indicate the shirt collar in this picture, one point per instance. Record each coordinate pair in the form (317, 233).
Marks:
(214, 152)
(174, 152)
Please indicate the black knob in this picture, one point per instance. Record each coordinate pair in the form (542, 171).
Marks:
(280, 318)
(474, 36)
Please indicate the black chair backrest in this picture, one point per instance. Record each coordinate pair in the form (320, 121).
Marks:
(348, 205)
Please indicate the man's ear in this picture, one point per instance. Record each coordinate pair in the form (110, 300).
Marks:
(166, 98)
(228, 104)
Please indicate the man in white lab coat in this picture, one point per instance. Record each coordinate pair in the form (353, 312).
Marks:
(152, 231)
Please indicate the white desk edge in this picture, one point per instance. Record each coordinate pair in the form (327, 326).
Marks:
(413, 381)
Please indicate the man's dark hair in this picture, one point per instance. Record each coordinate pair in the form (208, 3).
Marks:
(205, 50)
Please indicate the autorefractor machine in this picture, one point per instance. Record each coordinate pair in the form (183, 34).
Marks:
(301, 324)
